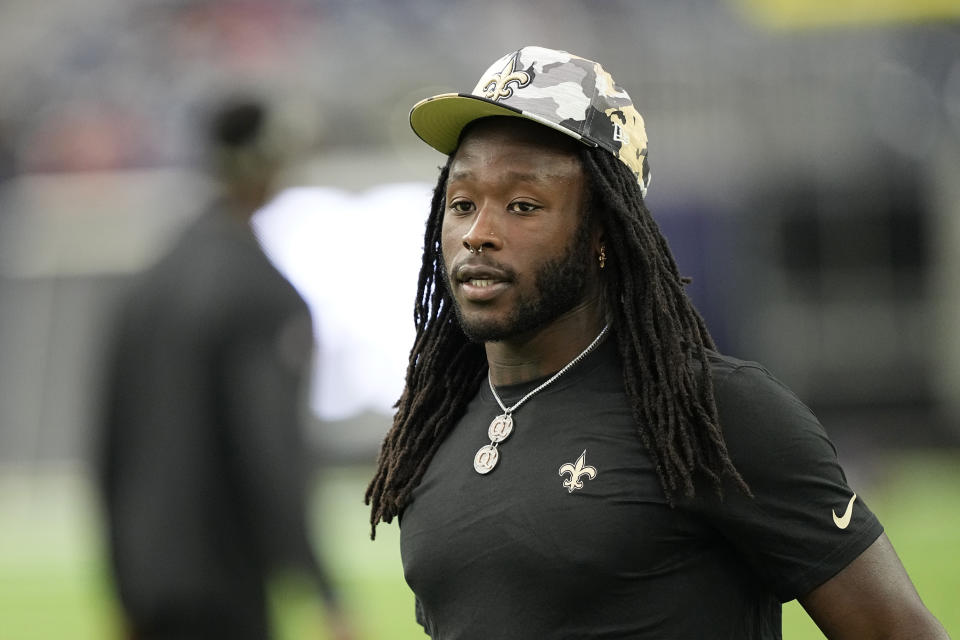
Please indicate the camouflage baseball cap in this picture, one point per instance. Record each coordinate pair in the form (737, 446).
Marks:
(554, 88)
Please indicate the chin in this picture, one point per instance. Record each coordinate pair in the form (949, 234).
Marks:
(486, 330)
(499, 329)
(526, 316)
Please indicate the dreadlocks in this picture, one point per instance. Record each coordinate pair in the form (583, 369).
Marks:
(662, 340)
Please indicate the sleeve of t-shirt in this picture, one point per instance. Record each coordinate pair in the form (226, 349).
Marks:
(803, 523)
(422, 618)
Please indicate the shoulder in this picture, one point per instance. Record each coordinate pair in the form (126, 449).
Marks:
(733, 376)
(745, 389)
(234, 263)
(787, 527)
(764, 423)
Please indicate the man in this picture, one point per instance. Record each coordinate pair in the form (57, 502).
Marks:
(570, 457)
(204, 467)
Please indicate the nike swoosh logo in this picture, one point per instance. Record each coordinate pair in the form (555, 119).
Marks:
(843, 521)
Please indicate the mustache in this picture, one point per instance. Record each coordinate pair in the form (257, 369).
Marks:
(449, 271)
(482, 265)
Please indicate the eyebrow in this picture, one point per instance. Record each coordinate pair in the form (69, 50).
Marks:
(512, 175)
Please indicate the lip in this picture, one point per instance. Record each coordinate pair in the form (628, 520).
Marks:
(481, 282)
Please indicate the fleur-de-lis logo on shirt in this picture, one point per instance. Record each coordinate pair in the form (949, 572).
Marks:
(577, 470)
(498, 85)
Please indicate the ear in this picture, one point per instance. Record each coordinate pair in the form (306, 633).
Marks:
(599, 248)
(597, 239)
(597, 236)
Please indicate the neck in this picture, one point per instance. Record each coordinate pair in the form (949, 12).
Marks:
(546, 350)
(245, 198)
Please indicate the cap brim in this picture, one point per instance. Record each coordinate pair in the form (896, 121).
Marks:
(440, 120)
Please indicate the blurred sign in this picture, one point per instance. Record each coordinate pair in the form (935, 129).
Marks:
(802, 14)
(355, 258)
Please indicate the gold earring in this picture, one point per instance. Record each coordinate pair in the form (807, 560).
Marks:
(603, 256)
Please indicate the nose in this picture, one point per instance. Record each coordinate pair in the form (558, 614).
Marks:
(482, 234)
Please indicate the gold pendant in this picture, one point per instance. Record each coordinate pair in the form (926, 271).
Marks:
(500, 428)
(486, 459)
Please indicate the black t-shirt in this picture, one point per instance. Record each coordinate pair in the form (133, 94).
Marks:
(523, 552)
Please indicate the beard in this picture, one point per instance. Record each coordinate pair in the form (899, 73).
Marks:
(560, 285)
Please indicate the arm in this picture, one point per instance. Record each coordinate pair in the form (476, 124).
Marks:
(261, 391)
(847, 577)
(263, 394)
(872, 598)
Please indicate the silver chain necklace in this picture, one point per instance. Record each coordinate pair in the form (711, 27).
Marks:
(502, 426)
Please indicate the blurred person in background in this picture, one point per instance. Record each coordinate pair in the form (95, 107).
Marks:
(204, 465)
(571, 457)
(7, 156)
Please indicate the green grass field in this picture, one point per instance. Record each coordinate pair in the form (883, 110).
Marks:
(54, 586)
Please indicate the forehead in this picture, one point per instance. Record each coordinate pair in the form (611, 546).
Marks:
(515, 146)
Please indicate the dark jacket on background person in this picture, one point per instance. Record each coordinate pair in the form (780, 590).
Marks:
(204, 466)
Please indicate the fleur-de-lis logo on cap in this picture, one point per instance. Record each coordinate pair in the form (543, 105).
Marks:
(577, 470)
(498, 85)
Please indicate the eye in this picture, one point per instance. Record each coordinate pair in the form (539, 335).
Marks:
(522, 206)
(461, 206)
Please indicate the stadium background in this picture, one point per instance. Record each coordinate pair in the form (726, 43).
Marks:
(804, 159)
